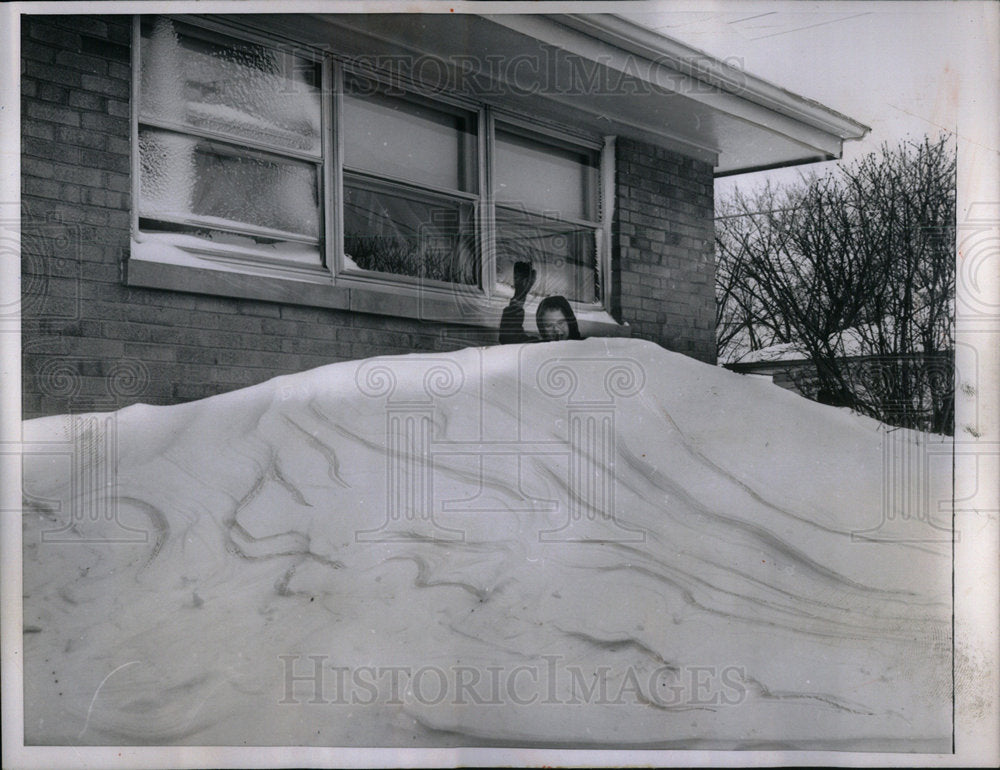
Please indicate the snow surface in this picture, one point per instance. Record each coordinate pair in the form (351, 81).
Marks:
(418, 512)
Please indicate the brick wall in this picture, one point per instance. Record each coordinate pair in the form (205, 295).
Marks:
(663, 237)
(92, 343)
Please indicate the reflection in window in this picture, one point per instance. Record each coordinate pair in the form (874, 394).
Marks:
(427, 237)
(397, 138)
(564, 255)
(410, 186)
(547, 207)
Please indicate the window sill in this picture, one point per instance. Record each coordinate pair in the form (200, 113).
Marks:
(314, 286)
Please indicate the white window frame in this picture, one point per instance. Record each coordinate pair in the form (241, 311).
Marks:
(234, 272)
(478, 199)
(517, 124)
(217, 256)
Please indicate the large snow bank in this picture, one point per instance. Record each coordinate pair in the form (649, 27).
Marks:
(576, 543)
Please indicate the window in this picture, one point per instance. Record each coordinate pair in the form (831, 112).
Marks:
(547, 213)
(411, 190)
(282, 164)
(229, 145)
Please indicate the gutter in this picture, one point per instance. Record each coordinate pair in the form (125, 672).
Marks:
(705, 68)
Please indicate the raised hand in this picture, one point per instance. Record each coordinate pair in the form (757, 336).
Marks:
(524, 279)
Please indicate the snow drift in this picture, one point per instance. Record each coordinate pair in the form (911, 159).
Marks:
(594, 543)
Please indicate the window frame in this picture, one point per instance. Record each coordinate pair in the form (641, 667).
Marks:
(219, 256)
(517, 126)
(348, 276)
(239, 272)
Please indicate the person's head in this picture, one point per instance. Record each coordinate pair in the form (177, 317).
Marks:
(555, 320)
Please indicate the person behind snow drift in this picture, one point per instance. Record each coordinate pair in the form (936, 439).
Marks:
(555, 318)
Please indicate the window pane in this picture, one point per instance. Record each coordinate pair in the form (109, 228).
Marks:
(402, 139)
(184, 177)
(563, 255)
(545, 178)
(395, 232)
(240, 89)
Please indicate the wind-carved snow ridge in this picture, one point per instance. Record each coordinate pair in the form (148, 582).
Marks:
(593, 543)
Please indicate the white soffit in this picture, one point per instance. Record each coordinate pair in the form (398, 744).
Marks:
(602, 73)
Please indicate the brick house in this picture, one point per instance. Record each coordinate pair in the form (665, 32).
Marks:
(211, 201)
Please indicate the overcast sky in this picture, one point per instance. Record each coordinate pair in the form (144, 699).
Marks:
(894, 66)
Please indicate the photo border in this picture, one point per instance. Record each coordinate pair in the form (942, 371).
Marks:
(975, 564)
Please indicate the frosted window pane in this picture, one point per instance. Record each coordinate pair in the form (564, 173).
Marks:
(543, 178)
(563, 255)
(397, 138)
(243, 90)
(184, 178)
(395, 233)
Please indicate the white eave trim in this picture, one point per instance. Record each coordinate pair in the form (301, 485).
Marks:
(709, 90)
(705, 68)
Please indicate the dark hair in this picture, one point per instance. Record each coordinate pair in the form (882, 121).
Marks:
(560, 303)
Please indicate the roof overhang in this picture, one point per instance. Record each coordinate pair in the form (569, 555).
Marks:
(599, 72)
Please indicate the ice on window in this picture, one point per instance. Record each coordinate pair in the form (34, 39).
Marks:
(166, 171)
(247, 91)
(185, 178)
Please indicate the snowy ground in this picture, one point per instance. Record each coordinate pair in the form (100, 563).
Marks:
(592, 543)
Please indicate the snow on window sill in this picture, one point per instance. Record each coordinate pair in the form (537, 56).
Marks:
(172, 262)
(292, 261)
